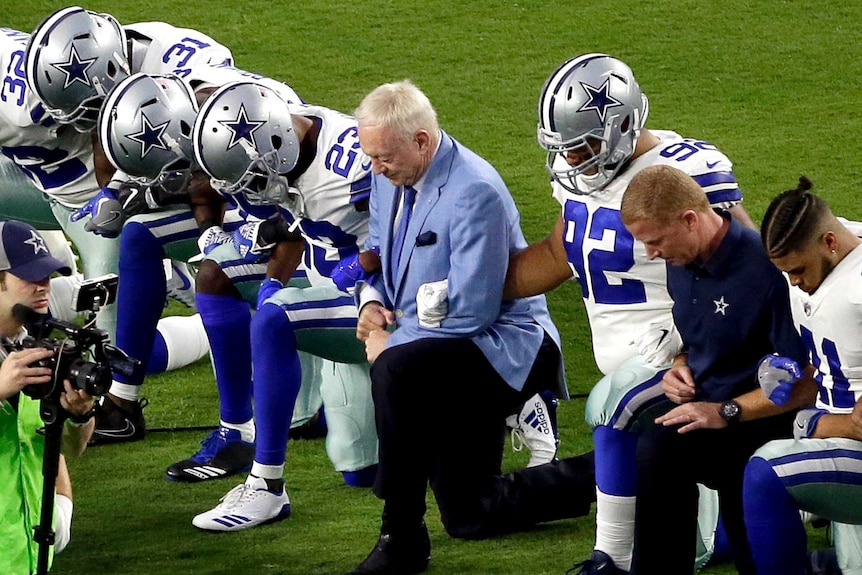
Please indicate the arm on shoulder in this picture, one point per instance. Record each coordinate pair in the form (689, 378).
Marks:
(539, 267)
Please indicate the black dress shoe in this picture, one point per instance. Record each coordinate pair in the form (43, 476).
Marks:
(398, 554)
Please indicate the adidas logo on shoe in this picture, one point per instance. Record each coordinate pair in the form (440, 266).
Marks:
(538, 418)
(246, 505)
(534, 427)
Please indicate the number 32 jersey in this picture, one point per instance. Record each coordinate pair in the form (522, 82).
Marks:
(59, 160)
(624, 292)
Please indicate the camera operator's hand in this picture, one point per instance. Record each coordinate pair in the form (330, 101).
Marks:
(76, 401)
(16, 371)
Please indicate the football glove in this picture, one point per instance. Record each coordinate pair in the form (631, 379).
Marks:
(136, 198)
(246, 241)
(776, 376)
(267, 289)
(212, 238)
(106, 214)
(659, 345)
(349, 271)
(806, 422)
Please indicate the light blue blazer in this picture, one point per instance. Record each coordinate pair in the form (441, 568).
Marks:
(463, 228)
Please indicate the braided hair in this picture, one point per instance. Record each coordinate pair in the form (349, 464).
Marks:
(792, 219)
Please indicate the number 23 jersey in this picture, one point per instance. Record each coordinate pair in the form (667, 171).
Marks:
(624, 292)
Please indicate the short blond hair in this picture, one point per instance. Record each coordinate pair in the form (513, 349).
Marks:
(659, 194)
(400, 106)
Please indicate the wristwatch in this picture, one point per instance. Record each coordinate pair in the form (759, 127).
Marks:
(730, 410)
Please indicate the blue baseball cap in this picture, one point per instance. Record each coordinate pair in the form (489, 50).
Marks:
(24, 253)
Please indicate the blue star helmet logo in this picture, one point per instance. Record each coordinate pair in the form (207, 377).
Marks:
(150, 136)
(75, 69)
(242, 128)
(600, 100)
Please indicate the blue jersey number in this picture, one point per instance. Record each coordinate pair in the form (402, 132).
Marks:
(618, 259)
(342, 155)
(842, 397)
(50, 168)
(681, 151)
(13, 82)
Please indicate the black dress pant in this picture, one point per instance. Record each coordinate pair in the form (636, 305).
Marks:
(440, 409)
(669, 466)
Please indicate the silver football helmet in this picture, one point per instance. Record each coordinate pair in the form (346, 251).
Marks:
(244, 139)
(145, 129)
(74, 58)
(591, 110)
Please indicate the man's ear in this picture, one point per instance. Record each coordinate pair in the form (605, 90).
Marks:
(423, 139)
(690, 218)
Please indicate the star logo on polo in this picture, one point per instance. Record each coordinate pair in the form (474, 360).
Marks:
(150, 136)
(600, 100)
(37, 242)
(75, 69)
(720, 305)
(242, 128)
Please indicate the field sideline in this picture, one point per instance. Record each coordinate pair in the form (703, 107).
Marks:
(775, 84)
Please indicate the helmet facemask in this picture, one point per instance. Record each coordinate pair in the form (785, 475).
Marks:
(592, 111)
(245, 140)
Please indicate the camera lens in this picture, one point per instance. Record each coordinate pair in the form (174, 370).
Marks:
(93, 378)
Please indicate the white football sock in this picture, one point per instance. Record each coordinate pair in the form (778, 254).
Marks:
(267, 471)
(125, 391)
(615, 527)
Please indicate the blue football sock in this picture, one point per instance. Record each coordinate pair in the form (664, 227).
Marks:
(775, 530)
(140, 296)
(721, 551)
(277, 377)
(616, 452)
(227, 322)
(159, 356)
(362, 477)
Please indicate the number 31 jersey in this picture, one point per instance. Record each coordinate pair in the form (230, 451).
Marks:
(829, 321)
(624, 292)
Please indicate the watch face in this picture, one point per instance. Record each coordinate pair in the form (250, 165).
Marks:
(730, 410)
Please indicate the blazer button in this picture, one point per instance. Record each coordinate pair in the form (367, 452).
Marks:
(399, 313)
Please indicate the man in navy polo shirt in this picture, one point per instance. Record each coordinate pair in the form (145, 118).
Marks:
(731, 308)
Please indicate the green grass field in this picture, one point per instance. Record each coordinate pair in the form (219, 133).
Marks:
(774, 83)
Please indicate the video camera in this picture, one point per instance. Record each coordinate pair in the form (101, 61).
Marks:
(83, 355)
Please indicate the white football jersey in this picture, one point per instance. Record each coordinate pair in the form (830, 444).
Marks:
(624, 292)
(216, 76)
(59, 161)
(330, 223)
(159, 48)
(830, 322)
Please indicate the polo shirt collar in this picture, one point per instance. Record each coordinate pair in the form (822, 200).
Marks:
(725, 253)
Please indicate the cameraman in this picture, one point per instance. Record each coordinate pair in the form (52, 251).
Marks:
(26, 267)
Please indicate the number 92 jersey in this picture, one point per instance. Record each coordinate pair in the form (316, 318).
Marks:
(624, 292)
(830, 321)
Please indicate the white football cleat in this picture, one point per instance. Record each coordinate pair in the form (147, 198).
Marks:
(244, 506)
(180, 282)
(535, 427)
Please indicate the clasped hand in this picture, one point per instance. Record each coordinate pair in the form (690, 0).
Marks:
(776, 376)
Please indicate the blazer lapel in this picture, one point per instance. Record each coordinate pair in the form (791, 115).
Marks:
(435, 181)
